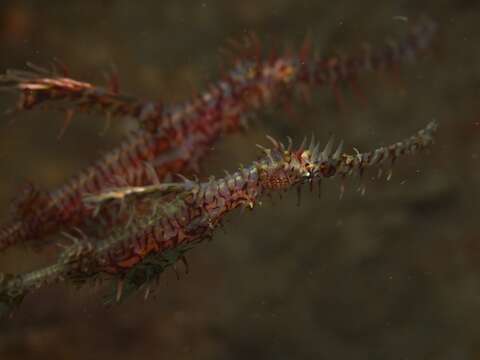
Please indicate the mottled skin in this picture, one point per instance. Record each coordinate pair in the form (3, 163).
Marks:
(174, 139)
(189, 212)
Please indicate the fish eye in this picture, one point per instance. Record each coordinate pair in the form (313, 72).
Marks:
(307, 175)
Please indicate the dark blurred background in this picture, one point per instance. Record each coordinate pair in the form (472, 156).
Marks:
(393, 274)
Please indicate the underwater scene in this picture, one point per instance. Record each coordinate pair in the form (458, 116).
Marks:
(275, 179)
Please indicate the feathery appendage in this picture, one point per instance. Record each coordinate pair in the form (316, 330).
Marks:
(181, 215)
(40, 87)
(252, 75)
(176, 138)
